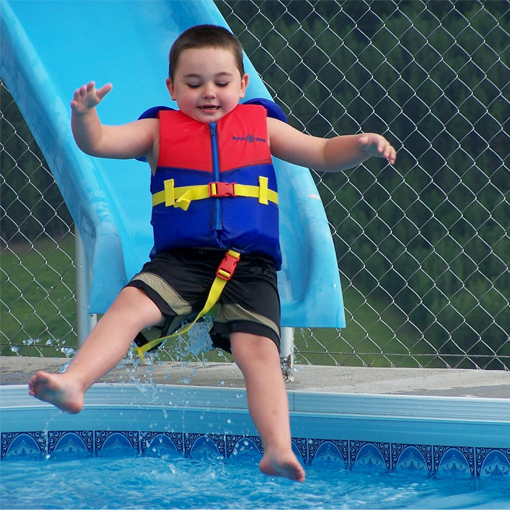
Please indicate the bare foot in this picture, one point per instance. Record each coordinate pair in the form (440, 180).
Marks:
(282, 465)
(57, 390)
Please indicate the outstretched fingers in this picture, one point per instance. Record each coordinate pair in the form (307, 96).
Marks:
(87, 96)
(378, 146)
(101, 92)
(387, 151)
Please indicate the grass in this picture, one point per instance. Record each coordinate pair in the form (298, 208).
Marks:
(376, 334)
(38, 308)
(37, 304)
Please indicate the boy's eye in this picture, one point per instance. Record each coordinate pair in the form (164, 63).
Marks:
(222, 84)
(193, 85)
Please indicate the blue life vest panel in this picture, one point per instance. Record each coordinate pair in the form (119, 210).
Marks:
(206, 164)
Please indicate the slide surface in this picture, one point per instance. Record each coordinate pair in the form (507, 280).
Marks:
(49, 48)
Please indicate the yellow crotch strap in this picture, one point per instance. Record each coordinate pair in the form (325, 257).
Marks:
(223, 275)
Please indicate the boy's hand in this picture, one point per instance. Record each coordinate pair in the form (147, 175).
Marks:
(87, 97)
(378, 146)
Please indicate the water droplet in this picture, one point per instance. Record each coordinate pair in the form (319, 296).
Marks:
(68, 351)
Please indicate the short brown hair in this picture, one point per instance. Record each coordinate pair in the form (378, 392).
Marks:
(205, 36)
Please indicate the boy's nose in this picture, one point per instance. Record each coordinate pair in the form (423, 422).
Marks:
(210, 90)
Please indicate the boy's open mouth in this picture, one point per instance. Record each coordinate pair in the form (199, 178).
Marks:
(209, 107)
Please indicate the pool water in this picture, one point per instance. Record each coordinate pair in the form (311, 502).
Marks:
(176, 482)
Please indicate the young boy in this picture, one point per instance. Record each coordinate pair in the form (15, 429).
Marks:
(192, 234)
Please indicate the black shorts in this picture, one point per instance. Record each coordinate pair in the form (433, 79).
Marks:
(179, 282)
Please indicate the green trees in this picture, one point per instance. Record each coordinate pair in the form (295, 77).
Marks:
(32, 206)
(430, 234)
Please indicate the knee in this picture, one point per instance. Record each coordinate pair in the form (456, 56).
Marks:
(252, 348)
(137, 307)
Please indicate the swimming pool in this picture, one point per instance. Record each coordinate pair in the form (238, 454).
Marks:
(378, 435)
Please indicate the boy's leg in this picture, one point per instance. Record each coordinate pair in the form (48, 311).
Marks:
(259, 360)
(103, 349)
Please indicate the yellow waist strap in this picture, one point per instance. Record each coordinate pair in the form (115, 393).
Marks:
(182, 196)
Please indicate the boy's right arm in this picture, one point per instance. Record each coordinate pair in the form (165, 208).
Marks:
(127, 141)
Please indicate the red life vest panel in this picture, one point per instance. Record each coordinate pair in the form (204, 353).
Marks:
(215, 185)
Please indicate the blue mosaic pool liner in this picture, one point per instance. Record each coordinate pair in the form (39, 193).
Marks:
(414, 459)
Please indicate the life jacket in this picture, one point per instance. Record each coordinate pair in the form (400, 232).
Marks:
(215, 185)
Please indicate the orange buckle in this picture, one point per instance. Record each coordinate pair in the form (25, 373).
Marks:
(221, 189)
(228, 266)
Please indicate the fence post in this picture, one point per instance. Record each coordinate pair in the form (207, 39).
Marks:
(86, 321)
(287, 353)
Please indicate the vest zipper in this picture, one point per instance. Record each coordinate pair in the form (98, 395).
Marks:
(216, 175)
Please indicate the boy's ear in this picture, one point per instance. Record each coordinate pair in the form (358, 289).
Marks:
(244, 85)
(170, 88)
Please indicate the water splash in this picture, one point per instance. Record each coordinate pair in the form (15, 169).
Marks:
(198, 338)
(31, 341)
(64, 367)
(187, 380)
(70, 352)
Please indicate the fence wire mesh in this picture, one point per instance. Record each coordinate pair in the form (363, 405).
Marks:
(37, 275)
(423, 247)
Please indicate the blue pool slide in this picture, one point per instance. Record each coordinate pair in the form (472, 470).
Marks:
(49, 48)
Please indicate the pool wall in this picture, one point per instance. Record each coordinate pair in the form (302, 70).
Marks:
(443, 436)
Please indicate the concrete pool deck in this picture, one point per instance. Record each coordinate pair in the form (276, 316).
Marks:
(369, 380)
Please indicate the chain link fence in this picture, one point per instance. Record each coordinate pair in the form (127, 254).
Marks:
(423, 247)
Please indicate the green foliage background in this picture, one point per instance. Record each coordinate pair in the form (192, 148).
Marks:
(429, 237)
(423, 247)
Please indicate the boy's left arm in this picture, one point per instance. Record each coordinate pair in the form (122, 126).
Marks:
(326, 154)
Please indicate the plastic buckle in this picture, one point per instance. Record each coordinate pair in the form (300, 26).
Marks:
(228, 265)
(221, 189)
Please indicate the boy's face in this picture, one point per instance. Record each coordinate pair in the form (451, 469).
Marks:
(207, 84)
